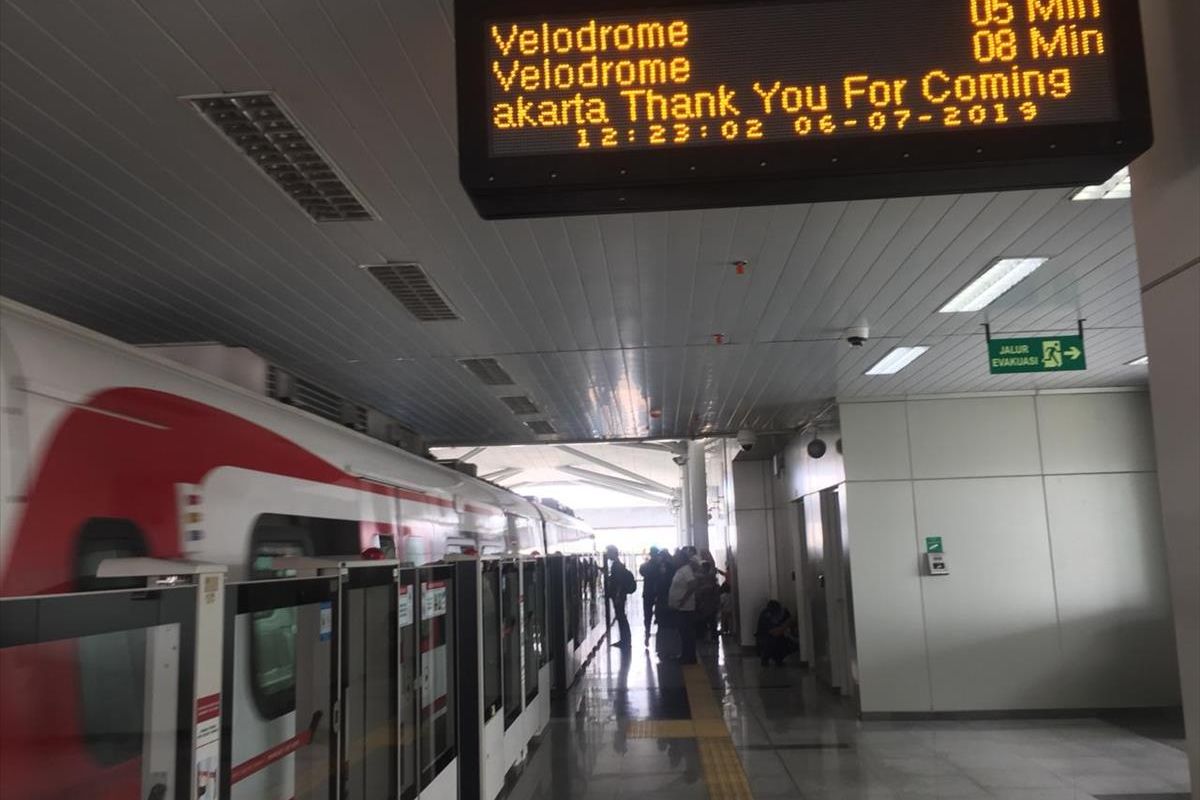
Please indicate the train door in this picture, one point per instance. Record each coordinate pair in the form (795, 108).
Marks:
(511, 651)
(535, 636)
(437, 733)
(408, 683)
(513, 632)
(492, 622)
(280, 682)
(368, 645)
(96, 695)
(558, 622)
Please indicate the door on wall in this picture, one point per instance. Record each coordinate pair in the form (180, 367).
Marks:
(838, 596)
(813, 562)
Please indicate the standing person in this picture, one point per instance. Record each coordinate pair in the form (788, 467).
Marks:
(682, 599)
(621, 584)
(726, 609)
(651, 573)
(668, 639)
(708, 602)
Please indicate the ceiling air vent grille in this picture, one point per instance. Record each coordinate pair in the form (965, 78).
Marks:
(520, 405)
(258, 125)
(541, 427)
(409, 284)
(488, 370)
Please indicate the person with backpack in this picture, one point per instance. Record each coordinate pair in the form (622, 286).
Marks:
(621, 584)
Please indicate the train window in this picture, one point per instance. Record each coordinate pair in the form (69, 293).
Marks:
(112, 666)
(490, 597)
(273, 633)
(386, 544)
(510, 640)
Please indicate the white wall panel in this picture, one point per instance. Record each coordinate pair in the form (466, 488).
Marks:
(1057, 593)
(977, 437)
(750, 484)
(1101, 432)
(892, 663)
(1113, 599)
(875, 441)
(753, 568)
(787, 540)
(991, 624)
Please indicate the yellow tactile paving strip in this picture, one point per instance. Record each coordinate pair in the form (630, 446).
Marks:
(677, 729)
(723, 771)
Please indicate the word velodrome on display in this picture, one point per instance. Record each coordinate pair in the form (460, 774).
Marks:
(712, 75)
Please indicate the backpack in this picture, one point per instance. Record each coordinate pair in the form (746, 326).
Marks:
(628, 583)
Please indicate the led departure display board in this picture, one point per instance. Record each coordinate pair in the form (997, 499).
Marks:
(572, 107)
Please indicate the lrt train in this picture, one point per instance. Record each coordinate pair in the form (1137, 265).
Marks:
(110, 452)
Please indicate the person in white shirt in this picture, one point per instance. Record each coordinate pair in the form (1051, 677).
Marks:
(682, 600)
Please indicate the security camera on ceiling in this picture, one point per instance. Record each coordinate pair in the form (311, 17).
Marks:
(857, 335)
(746, 439)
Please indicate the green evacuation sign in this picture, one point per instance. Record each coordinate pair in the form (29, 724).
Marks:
(933, 544)
(1041, 354)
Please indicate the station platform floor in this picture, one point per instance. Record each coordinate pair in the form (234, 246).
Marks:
(731, 729)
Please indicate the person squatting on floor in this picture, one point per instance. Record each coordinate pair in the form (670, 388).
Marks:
(772, 635)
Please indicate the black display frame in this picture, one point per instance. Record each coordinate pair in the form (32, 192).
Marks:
(934, 162)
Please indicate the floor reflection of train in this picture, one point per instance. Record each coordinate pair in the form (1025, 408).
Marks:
(109, 452)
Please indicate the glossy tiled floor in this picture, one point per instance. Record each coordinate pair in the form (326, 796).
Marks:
(796, 741)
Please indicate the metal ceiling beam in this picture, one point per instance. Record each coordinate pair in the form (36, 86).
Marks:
(644, 482)
(614, 487)
(502, 474)
(617, 484)
(661, 447)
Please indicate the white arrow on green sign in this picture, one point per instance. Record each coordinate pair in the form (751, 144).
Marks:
(1039, 354)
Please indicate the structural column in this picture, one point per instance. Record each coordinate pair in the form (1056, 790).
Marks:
(696, 496)
(1166, 213)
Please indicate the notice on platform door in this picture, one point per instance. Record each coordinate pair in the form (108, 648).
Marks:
(433, 599)
(404, 606)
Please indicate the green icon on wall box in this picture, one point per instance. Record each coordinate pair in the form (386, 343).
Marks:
(933, 544)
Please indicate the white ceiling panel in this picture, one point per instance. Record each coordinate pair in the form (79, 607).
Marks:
(122, 209)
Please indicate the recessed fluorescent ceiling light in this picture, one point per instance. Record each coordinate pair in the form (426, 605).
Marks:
(1000, 277)
(1138, 362)
(898, 359)
(1118, 187)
